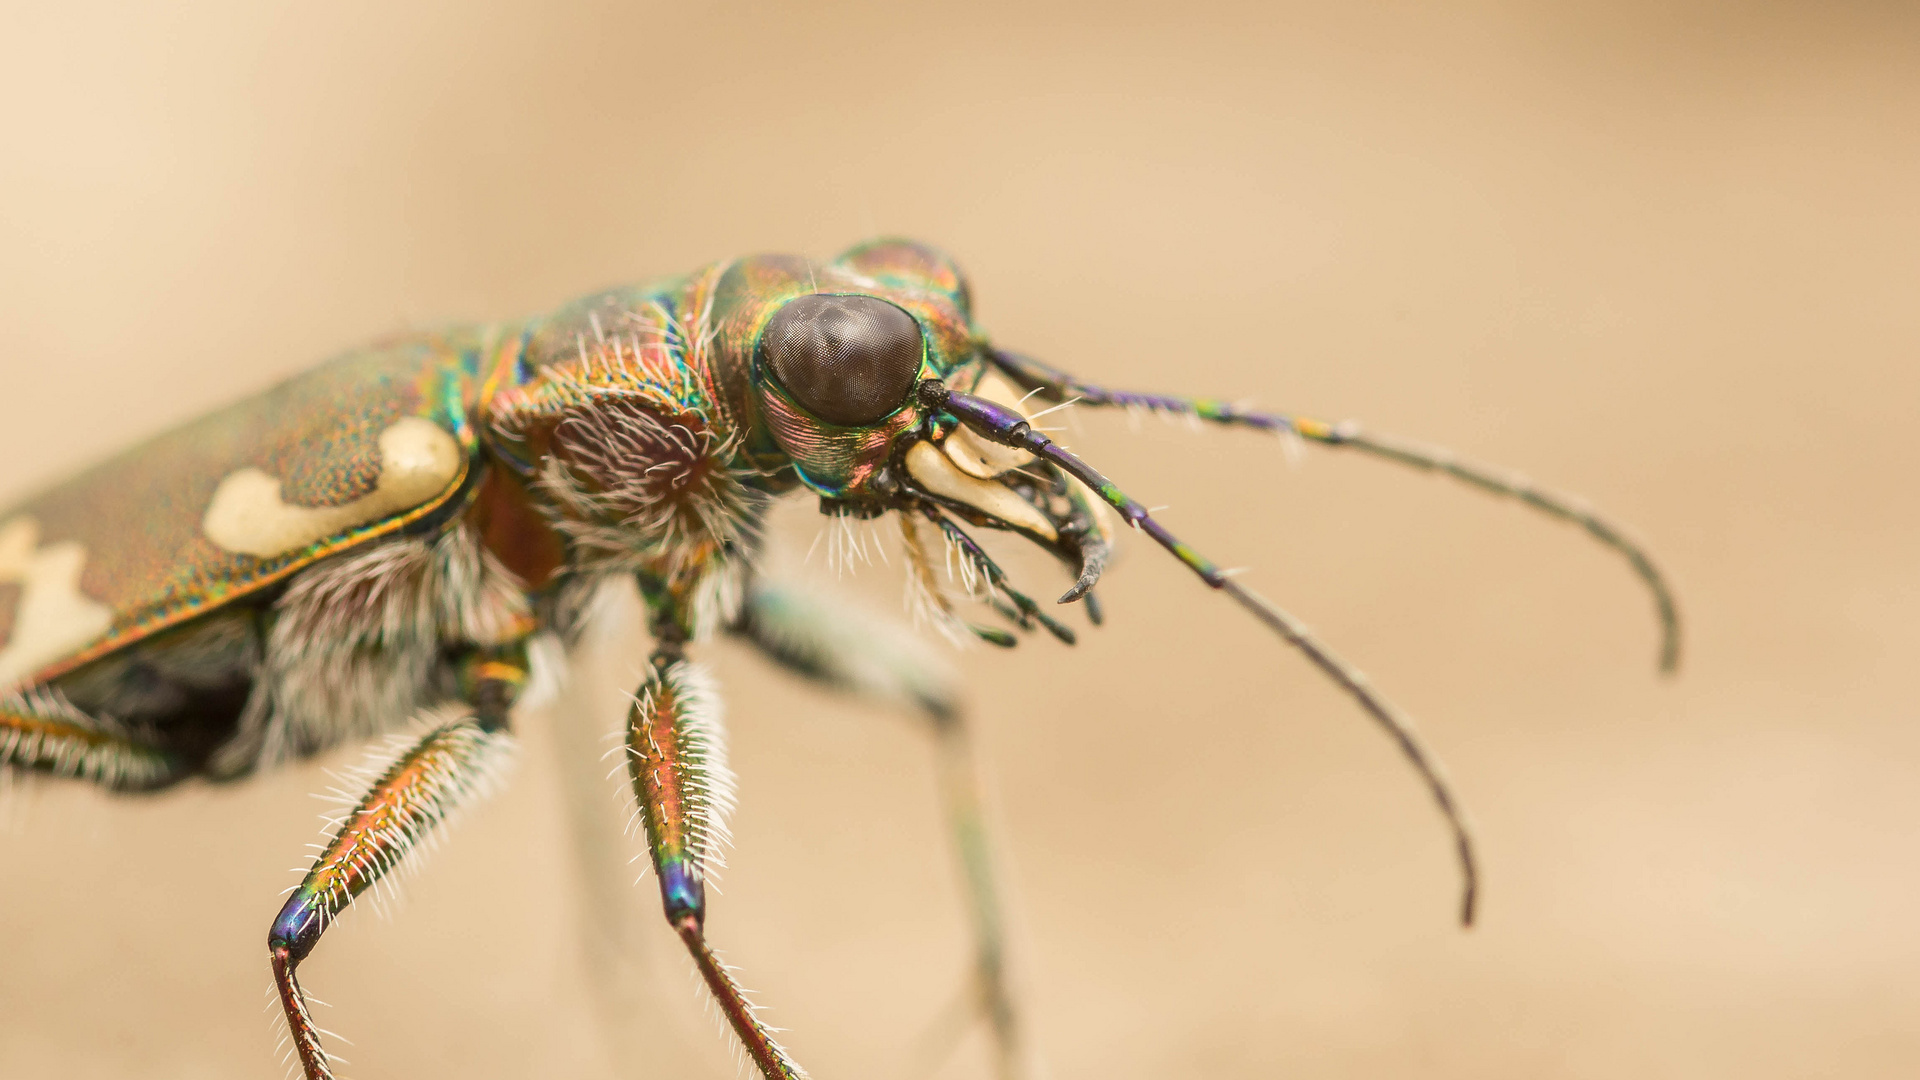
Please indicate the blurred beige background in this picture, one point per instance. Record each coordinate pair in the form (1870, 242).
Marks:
(1662, 255)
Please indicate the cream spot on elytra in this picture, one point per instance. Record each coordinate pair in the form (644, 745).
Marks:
(247, 516)
(52, 618)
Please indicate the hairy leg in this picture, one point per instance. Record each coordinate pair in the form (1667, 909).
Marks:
(454, 764)
(848, 651)
(676, 759)
(41, 731)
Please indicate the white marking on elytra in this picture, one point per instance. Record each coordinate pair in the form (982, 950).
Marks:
(247, 516)
(52, 617)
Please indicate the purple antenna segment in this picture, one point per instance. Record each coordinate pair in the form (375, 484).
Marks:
(1008, 428)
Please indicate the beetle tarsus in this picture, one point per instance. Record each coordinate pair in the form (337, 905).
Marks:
(315, 1062)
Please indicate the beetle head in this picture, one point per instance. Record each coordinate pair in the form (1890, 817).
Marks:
(828, 365)
(816, 364)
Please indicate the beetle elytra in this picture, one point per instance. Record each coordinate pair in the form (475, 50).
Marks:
(403, 534)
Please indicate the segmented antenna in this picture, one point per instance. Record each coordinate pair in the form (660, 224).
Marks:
(1058, 385)
(1010, 429)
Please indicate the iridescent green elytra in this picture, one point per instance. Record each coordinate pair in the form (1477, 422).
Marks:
(412, 534)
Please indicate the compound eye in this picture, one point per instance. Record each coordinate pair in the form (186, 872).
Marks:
(851, 360)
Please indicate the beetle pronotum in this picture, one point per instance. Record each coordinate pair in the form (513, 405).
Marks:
(396, 535)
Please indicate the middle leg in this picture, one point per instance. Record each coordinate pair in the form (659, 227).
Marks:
(841, 648)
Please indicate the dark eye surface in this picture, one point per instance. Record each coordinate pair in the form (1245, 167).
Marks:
(851, 360)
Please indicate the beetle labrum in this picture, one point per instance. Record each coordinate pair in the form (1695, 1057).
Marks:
(397, 535)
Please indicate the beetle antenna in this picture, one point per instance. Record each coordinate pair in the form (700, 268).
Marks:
(1009, 428)
(1057, 385)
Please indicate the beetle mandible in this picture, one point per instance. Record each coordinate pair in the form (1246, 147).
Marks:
(406, 533)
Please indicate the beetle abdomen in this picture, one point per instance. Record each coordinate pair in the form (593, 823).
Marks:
(182, 691)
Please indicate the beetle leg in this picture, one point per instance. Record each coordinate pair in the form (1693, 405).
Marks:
(676, 759)
(452, 765)
(844, 650)
(41, 731)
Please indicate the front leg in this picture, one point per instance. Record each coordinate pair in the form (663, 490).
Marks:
(676, 757)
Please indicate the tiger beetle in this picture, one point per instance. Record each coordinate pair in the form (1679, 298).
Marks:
(414, 532)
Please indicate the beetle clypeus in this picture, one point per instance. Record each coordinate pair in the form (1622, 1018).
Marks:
(398, 536)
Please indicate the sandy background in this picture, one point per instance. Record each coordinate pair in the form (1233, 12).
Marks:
(1667, 258)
